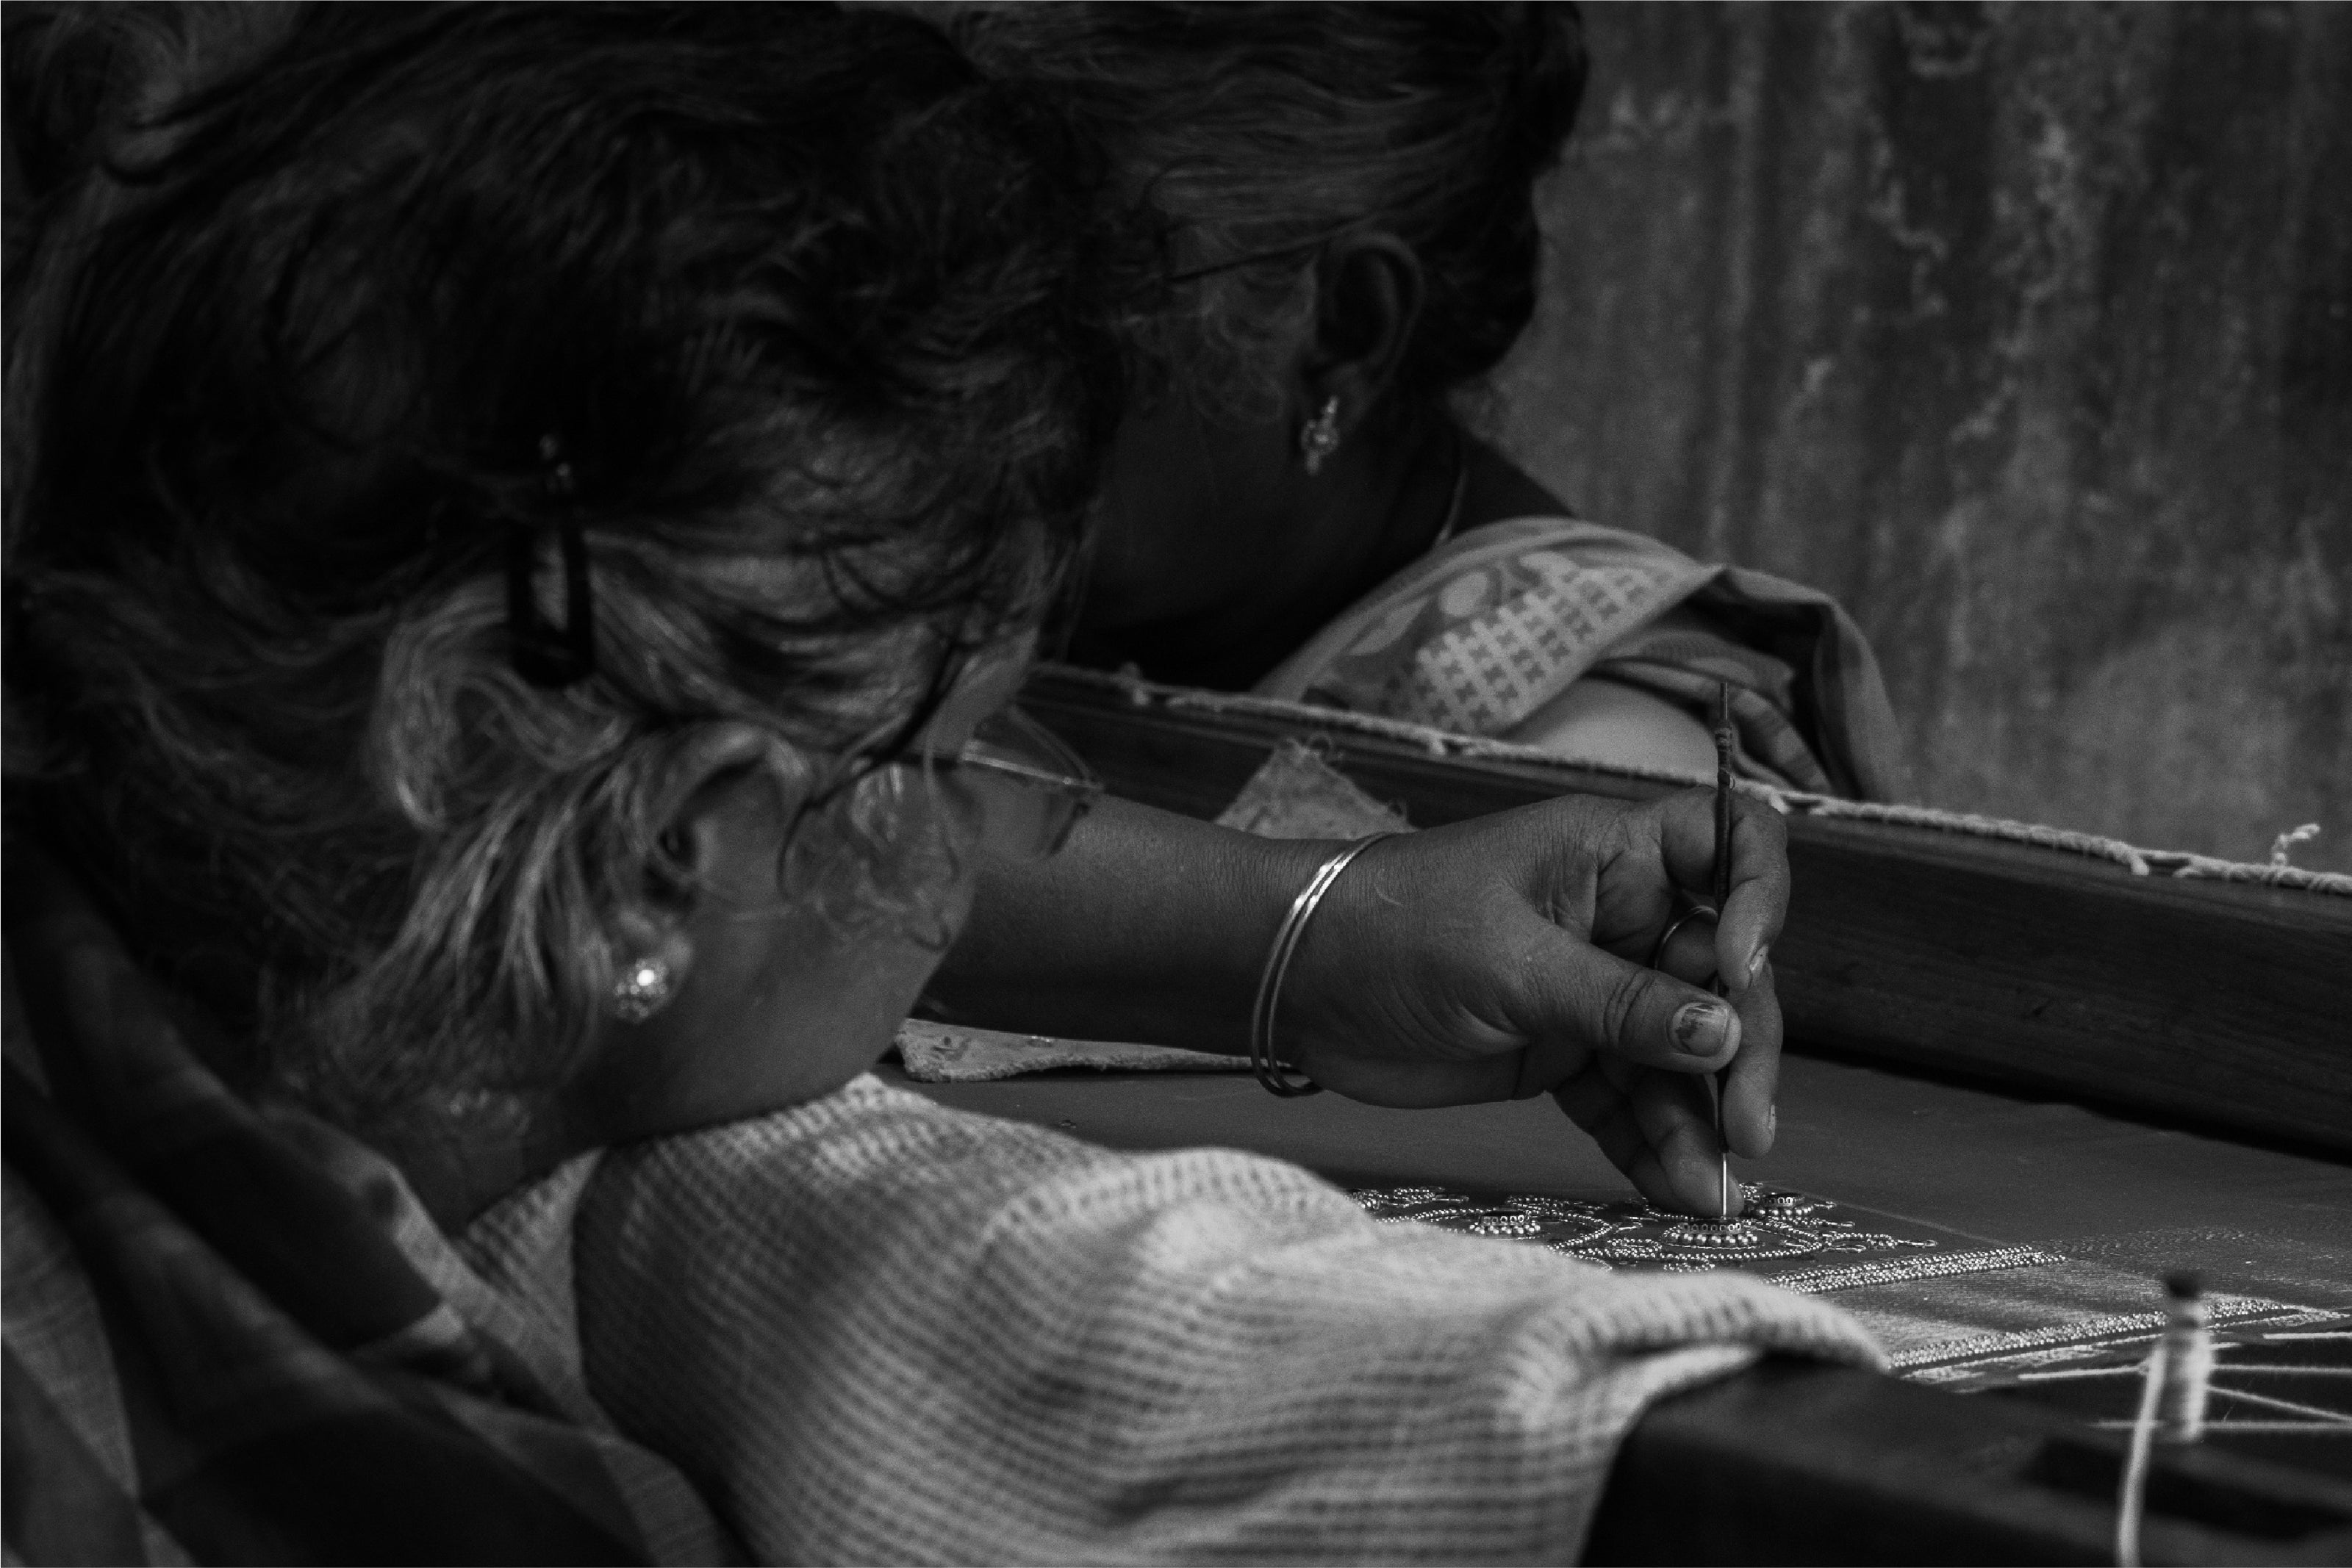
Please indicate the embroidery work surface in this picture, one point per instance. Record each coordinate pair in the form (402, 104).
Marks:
(1948, 1309)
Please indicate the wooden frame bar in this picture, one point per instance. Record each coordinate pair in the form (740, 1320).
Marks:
(2215, 1004)
(1796, 1462)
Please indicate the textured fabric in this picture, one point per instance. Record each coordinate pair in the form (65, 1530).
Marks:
(958, 1053)
(1297, 794)
(875, 1330)
(1478, 636)
(228, 1332)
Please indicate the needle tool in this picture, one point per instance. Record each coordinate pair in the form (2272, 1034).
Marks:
(1723, 740)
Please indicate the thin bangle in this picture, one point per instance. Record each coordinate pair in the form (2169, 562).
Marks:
(1270, 1072)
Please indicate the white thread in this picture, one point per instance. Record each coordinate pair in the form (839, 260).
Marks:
(2319, 1415)
(2173, 1402)
(2284, 1368)
(2297, 1428)
(2131, 1501)
(2188, 1358)
(2288, 840)
(2267, 1369)
(2054, 1374)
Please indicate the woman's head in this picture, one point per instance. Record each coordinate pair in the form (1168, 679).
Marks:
(774, 320)
(1348, 194)
(1259, 133)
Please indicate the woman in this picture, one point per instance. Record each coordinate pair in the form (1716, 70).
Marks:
(522, 522)
(1299, 511)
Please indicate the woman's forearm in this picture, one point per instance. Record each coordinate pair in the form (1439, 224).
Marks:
(1147, 926)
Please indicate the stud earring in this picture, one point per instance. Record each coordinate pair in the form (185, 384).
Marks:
(643, 989)
(1320, 436)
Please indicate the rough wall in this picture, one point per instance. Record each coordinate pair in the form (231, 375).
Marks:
(2025, 330)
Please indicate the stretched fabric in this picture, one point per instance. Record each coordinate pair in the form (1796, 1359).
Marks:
(875, 1330)
(233, 1336)
(1478, 636)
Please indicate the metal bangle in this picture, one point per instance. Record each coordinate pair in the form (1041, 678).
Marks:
(1676, 924)
(1269, 1070)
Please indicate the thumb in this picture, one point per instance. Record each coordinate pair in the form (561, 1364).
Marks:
(1574, 1000)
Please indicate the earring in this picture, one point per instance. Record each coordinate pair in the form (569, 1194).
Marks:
(1320, 436)
(643, 990)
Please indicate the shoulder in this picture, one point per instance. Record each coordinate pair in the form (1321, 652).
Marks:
(1479, 634)
(1596, 719)
(898, 1182)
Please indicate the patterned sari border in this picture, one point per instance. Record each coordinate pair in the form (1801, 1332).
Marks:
(1923, 1266)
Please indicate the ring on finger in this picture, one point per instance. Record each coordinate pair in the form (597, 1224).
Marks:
(1676, 924)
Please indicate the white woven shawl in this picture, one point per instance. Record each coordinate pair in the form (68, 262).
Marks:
(875, 1330)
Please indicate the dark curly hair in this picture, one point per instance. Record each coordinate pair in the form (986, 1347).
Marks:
(1258, 131)
(802, 311)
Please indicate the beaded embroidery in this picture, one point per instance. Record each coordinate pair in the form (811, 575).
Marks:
(1774, 1227)
(1952, 1320)
(1940, 1266)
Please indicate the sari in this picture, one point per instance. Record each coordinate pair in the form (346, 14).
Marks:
(1478, 636)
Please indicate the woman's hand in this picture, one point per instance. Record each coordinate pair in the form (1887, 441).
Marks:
(1507, 957)
(1496, 958)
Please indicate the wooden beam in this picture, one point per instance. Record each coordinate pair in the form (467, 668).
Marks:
(1793, 1463)
(2217, 1004)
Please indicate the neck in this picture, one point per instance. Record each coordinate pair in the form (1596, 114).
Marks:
(461, 1168)
(1400, 482)
(1494, 489)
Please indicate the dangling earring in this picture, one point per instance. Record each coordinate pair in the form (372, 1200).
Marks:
(642, 990)
(1320, 436)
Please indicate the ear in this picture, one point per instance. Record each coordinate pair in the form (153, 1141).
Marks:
(724, 800)
(1369, 291)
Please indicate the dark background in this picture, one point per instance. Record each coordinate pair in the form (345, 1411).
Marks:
(2026, 331)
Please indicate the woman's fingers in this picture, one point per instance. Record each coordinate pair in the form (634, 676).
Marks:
(1606, 1115)
(1689, 951)
(1656, 1127)
(1509, 992)
(1571, 998)
(1752, 1083)
(1751, 917)
(1753, 1079)
(1676, 1115)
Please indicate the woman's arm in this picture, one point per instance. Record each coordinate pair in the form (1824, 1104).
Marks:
(1146, 926)
(1600, 720)
(1500, 958)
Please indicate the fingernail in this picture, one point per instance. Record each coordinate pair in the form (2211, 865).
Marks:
(1703, 1029)
(1756, 964)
